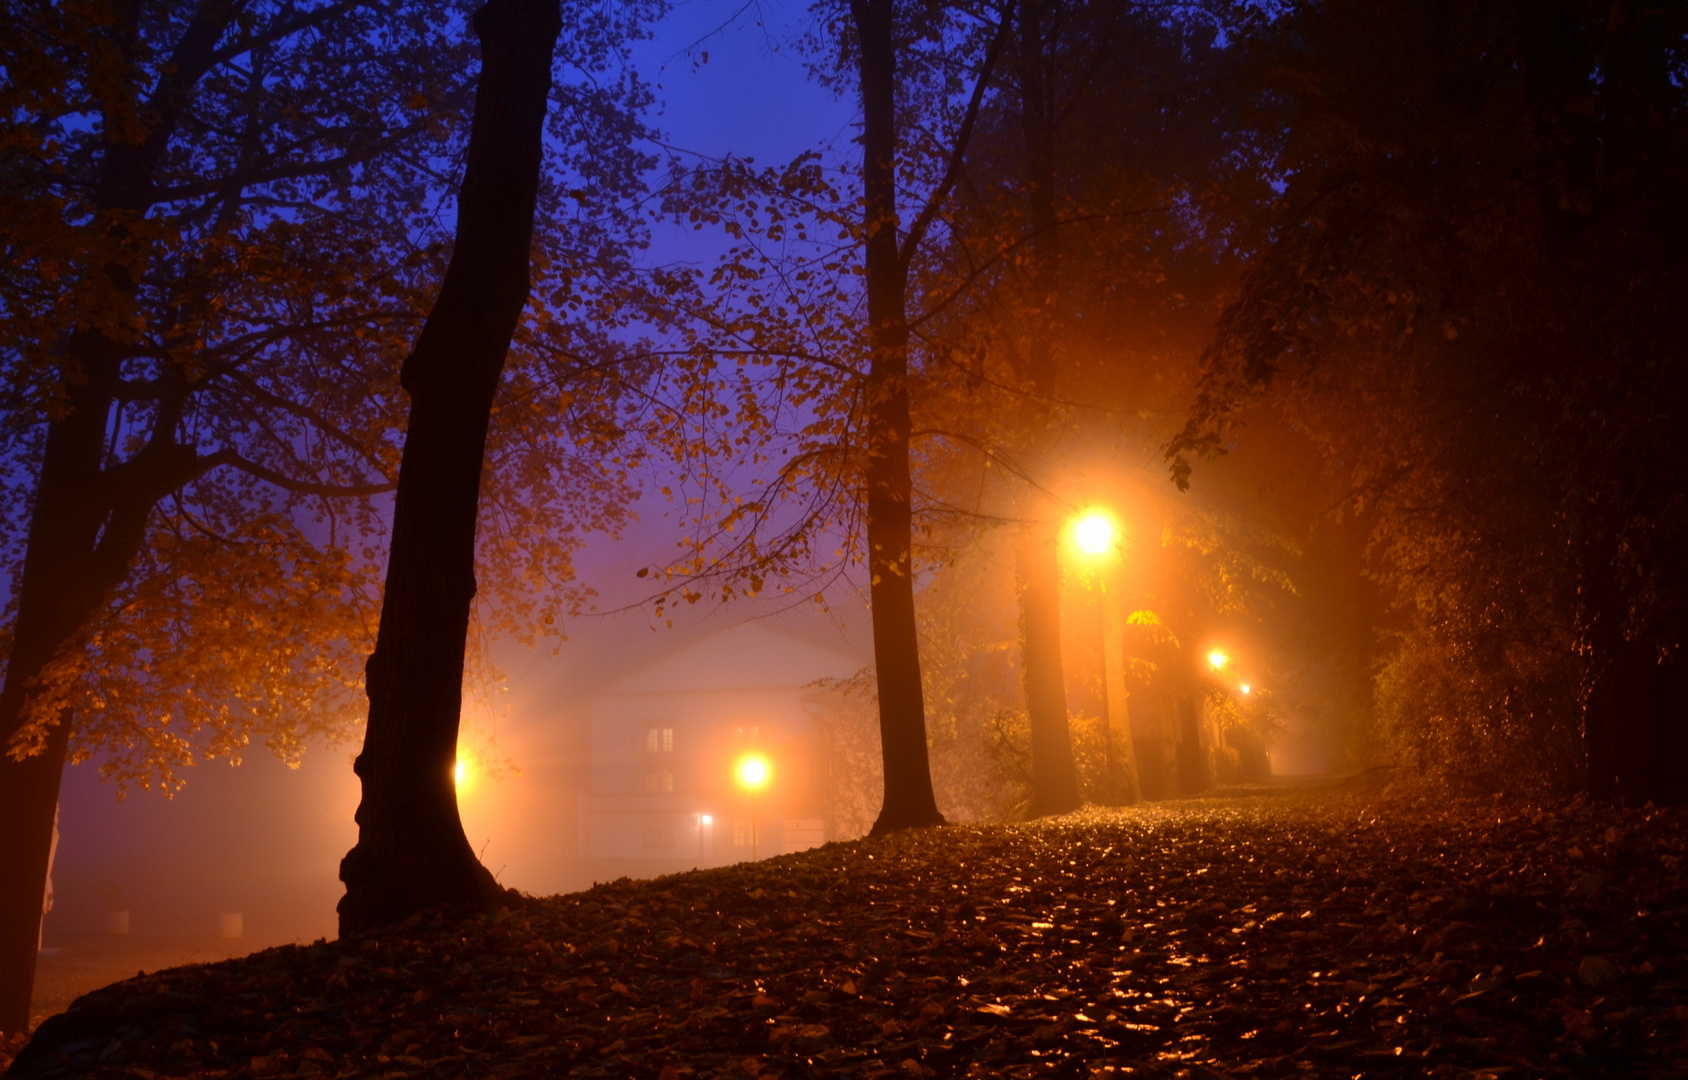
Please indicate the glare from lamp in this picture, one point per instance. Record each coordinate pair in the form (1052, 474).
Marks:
(1217, 659)
(1094, 533)
(1246, 688)
(753, 772)
(705, 819)
(459, 772)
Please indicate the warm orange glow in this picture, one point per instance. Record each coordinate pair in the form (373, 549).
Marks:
(1093, 533)
(1246, 688)
(705, 819)
(1217, 659)
(753, 772)
(460, 773)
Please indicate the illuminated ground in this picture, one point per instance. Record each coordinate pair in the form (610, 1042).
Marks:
(1267, 935)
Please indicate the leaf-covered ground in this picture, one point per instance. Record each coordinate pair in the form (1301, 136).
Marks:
(1263, 936)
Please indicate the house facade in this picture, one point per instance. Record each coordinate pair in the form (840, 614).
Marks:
(708, 755)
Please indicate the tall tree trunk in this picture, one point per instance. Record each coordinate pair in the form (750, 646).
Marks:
(411, 852)
(1054, 774)
(1123, 783)
(87, 528)
(55, 601)
(88, 525)
(53, 604)
(890, 527)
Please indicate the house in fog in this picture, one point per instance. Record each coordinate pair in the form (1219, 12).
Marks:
(667, 740)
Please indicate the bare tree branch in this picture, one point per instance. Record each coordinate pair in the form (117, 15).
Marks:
(917, 231)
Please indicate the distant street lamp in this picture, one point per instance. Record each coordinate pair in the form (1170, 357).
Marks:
(753, 773)
(1217, 659)
(1096, 536)
(703, 820)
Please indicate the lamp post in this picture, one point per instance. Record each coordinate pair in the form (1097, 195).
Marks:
(753, 772)
(1095, 535)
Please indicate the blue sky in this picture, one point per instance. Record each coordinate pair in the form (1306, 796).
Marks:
(752, 96)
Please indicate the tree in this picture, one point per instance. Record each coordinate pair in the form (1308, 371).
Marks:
(1093, 231)
(777, 375)
(411, 852)
(1037, 556)
(887, 427)
(219, 228)
(1467, 297)
(770, 376)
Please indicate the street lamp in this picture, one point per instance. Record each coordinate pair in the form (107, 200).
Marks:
(1217, 659)
(1095, 534)
(753, 773)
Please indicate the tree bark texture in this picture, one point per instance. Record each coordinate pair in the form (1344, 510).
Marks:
(1054, 774)
(1055, 787)
(909, 801)
(411, 853)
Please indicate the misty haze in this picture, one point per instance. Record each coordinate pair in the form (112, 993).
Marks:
(686, 539)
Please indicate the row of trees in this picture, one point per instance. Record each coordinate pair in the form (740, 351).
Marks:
(1049, 191)
(1425, 258)
(1470, 297)
(1438, 244)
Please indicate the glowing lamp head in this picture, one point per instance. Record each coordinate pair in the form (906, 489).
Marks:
(1217, 659)
(753, 772)
(705, 819)
(459, 772)
(1246, 688)
(1094, 533)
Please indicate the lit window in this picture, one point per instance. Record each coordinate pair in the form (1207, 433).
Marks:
(659, 782)
(659, 740)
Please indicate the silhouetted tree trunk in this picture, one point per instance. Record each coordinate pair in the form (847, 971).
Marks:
(411, 852)
(62, 587)
(88, 524)
(1123, 784)
(890, 527)
(1054, 774)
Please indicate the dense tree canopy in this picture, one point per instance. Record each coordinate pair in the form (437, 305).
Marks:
(1471, 296)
